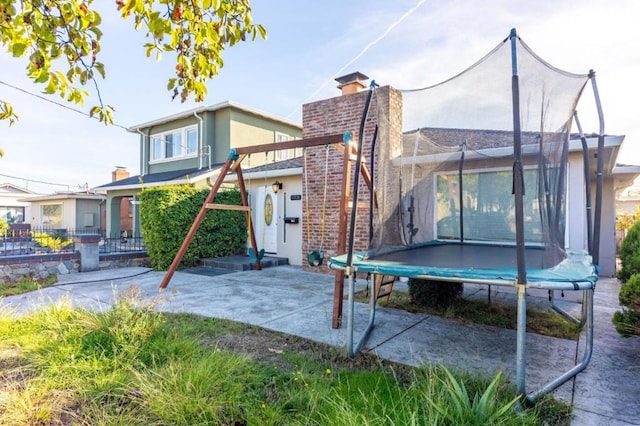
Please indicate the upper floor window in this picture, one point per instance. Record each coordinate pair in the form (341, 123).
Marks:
(174, 144)
(285, 154)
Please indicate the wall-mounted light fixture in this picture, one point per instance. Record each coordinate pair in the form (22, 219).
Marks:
(276, 186)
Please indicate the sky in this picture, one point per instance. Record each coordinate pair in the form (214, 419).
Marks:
(403, 43)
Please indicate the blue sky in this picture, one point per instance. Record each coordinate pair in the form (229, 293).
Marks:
(309, 43)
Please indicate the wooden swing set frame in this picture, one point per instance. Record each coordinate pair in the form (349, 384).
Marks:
(233, 165)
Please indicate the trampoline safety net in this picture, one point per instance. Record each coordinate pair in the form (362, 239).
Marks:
(450, 176)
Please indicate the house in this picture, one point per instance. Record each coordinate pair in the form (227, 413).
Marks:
(287, 221)
(80, 212)
(12, 209)
(189, 147)
(628, 199)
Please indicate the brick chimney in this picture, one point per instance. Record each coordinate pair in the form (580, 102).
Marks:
(119, 173)
(352, 83)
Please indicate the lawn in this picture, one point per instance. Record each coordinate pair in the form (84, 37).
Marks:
(134, 366)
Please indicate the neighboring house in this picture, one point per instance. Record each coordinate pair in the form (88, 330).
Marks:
(12, 208)
(81, 212)
(628, 200)
(189, 147)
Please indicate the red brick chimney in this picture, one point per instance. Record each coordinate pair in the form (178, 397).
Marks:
(119, 173)
(352, 83)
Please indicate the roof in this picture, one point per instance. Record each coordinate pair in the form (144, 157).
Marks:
(163, 178)
(292, 163)
(9, 187)
(66, 196)
(215, 107)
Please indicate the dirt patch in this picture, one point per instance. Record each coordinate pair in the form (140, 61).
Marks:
(268, 347)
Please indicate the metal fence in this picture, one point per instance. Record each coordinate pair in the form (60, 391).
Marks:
(28, 240)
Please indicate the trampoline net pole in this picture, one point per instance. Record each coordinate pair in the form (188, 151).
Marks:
(518, 192)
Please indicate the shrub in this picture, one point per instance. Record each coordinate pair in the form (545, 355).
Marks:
(627, 321)
(4, 227)
(54, 242)
(433, 293)
(167, 213)
(630, 254)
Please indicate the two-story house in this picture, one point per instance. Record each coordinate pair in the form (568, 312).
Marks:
(189, 147)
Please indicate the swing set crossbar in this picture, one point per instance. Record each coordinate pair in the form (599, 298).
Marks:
(297, 143)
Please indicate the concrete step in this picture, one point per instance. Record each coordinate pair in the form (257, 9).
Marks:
(242, 262)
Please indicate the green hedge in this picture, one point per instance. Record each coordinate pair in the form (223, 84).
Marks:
(630, 254)
(627, 321)
(167, 213)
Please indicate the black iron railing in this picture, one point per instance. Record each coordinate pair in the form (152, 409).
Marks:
(30, 240)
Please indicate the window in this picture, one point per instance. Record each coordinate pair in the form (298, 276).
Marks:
(192, 140)
(51, 215)
(175, 144)
(156, 148)
(285, 154)
(12, 214)
(488, 206)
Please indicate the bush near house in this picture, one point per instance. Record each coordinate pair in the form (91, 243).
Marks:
(167, 213)
(433, 293)
(627, 321)
(4, 227)
(629, 254)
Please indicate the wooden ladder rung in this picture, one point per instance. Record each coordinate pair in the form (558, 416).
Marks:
(384, 286)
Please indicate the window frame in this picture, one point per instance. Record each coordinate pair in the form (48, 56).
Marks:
(42, 216)
(159, 140)
(477, 171)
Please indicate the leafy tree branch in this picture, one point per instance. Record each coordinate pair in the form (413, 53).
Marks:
(61, 39)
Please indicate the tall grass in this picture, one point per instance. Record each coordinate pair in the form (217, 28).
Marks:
(133, 366)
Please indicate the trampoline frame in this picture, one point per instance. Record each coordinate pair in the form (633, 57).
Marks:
(521, 283)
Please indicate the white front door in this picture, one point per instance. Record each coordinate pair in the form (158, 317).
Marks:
(267, 219)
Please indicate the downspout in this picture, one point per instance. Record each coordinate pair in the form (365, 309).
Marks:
(587, 182)
(200, 143)
(145, 160)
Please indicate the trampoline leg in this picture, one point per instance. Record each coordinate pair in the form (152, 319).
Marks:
(564, 313)
(588, 351)
(351, 349)
(521, 350)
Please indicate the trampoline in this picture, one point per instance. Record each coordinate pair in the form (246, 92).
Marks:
(478, 263)
(474, 190)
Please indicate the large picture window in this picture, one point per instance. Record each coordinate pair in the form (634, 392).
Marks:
(175, 144)
(488, 209)
(12, 214)
(51, 215)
